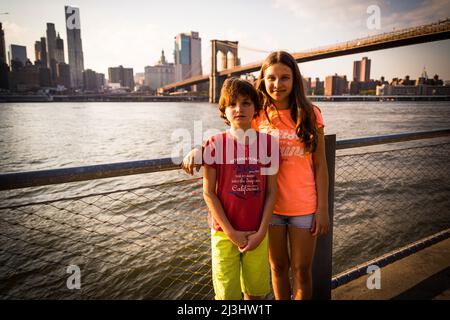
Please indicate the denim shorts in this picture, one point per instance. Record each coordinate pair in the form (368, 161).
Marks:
(304, 222)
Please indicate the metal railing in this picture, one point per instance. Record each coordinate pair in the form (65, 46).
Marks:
(152, 242)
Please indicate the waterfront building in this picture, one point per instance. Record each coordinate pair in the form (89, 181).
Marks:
(45, 80)
(101, 81)
(63, 75)
(74, 46)
(160, 74)
(307, 85)
(122, 75)
(336, 85)
(187, 55)
(90, 82)
(26, 78)
(407, 87)
(139, 78)
(317, 87)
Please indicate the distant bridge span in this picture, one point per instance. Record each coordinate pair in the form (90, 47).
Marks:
(426, 33)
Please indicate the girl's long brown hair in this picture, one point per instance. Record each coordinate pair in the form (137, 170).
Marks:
(301, 107)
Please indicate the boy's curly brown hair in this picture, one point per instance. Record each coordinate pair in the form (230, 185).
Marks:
(231, 89)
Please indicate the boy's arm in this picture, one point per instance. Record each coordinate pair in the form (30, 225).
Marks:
(209, 194)
(269, 203)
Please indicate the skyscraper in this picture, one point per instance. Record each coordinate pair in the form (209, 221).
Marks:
(43, 54)
(365, 70)
(187, 55)
(59, 50)
(4, 69)
(356, 70)
(40, 52)
(18, 53)
(74, 46)
(361, 70)
(51, 50)
(2, 45)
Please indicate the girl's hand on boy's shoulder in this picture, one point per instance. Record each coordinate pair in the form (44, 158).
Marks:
(191, 161)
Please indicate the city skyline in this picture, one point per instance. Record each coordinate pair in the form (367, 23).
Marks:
(159, 35)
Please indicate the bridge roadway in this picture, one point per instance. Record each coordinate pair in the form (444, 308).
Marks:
(421, 34)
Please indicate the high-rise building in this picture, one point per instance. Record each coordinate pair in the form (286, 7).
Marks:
(356, 70)
(2, 45)
(361, 70)
(59, 50)
(37, 52)
(122, 75)
(187, 55)
(40, 52)
(365, 70)
(51, 50)
(4, 69)
(90, 81)
(317, 87)
(18, 54)
(63, 72)
(74, 46)
(43, 53)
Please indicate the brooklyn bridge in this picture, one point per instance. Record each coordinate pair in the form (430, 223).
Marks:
(229, 49)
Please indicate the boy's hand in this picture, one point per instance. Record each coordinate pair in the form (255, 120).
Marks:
(253, 242)
(189, 161)
(240, 238)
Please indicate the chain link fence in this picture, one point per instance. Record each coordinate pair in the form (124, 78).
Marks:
(152, 242)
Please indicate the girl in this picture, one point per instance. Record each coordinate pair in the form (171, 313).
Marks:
(301, 208)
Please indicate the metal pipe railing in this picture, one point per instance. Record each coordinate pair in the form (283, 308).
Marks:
(9, 181)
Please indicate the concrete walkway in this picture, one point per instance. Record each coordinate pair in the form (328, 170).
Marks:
(422, 275)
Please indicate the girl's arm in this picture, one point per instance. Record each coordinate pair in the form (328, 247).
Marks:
(192, 160)
(239, 238)
(271, 195)
(321, 221)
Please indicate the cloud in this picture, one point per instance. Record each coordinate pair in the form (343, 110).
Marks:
(337, 13)
(427, 12)
(17, 34)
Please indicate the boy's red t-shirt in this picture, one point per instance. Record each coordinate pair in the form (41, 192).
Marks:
(240, 186)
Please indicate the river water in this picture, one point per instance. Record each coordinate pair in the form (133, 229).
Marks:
(152, 241)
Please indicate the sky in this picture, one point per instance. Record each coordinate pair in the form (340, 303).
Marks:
(132, 33)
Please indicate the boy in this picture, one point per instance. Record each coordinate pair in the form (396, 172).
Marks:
(240, 191)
